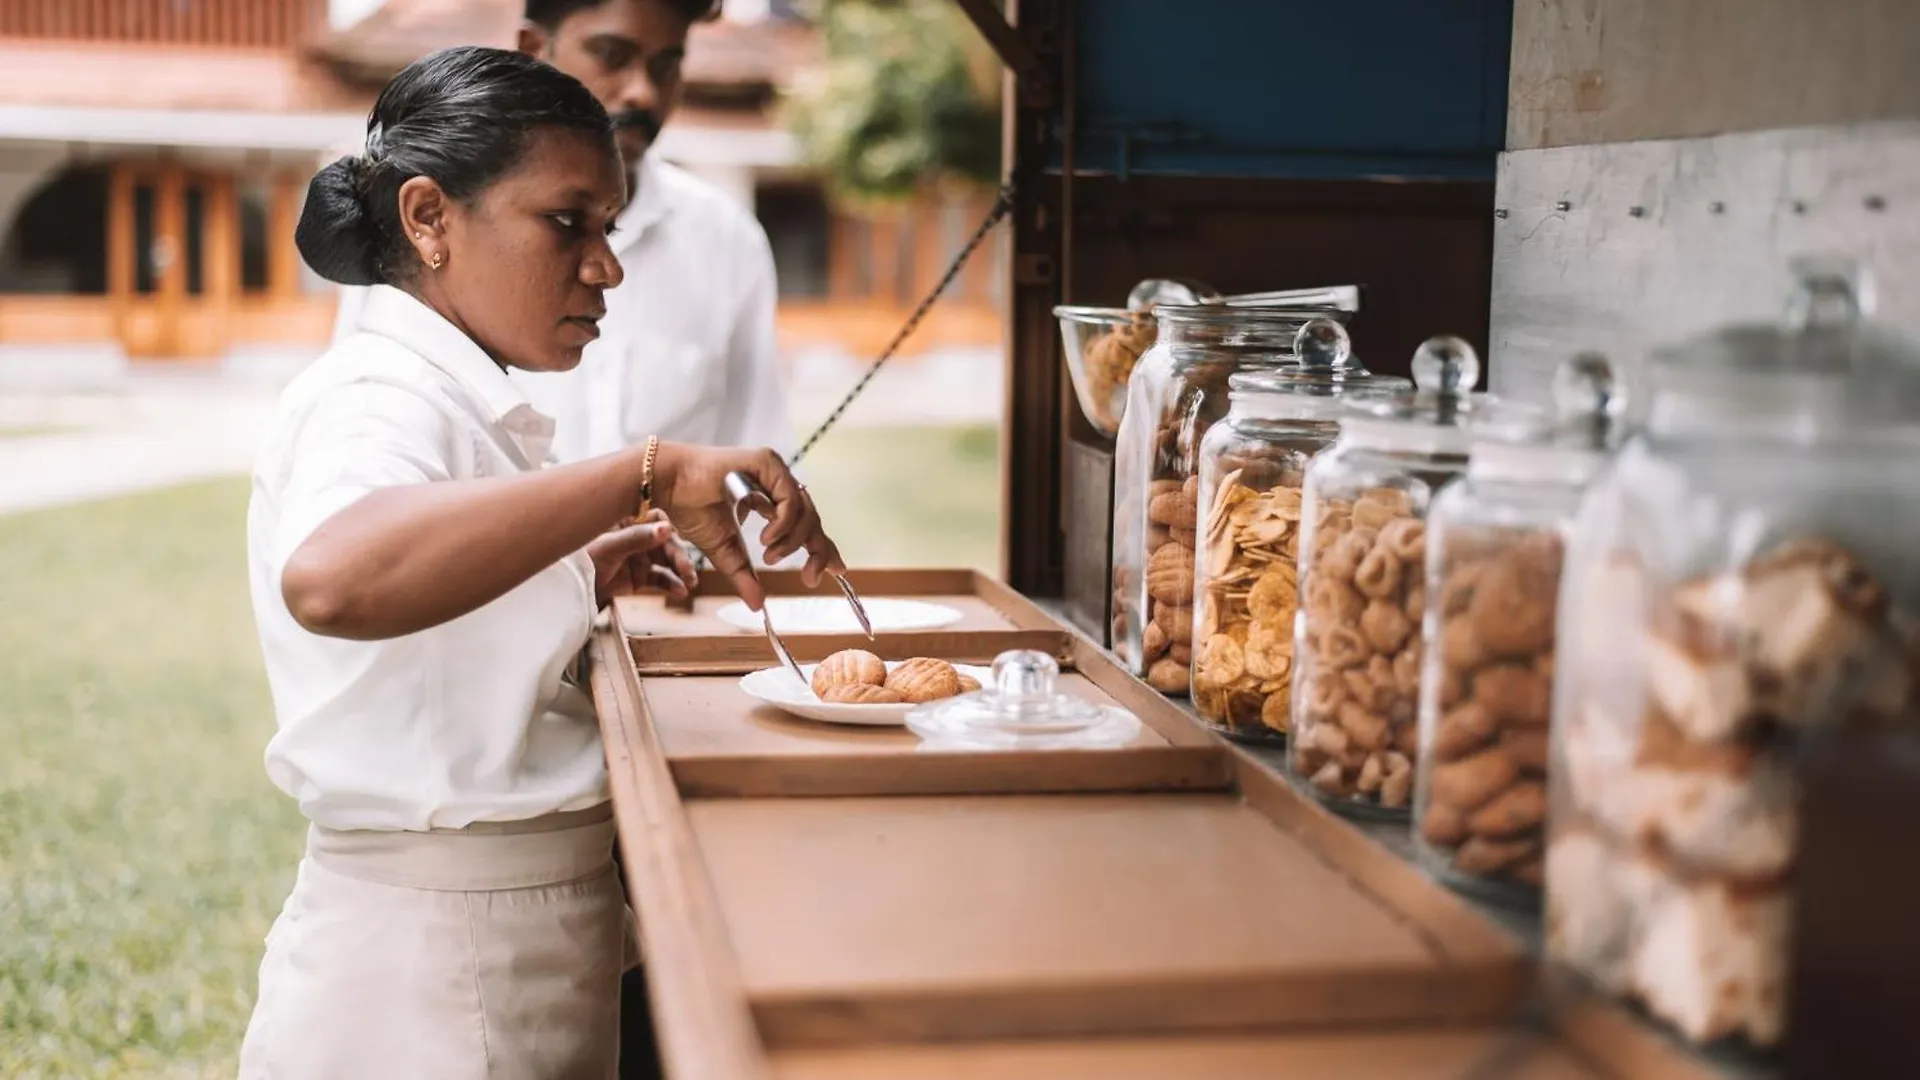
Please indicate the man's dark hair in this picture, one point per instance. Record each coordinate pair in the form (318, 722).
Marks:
(463, 116)
(549, 14)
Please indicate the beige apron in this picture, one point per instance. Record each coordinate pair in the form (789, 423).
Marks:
(490, 951)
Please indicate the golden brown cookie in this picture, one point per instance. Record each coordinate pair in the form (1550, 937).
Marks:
(849, 667)
(1169, 677)
(861, 694)
(1170, 575)
(924, 679)
(1175, 509)
(969, 684)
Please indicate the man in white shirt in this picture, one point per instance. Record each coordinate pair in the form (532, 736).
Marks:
(687, 347)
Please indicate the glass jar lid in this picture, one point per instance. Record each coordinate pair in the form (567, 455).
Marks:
(1824, 366)
(1233, 327)
(1441, 413)
(1587, 405)
(1022, 708)
(1312, 387)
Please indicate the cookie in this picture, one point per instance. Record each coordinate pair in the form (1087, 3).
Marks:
(861, 694)
(924, 679)
(849, 667)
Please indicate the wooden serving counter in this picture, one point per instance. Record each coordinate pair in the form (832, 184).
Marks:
(818, 901)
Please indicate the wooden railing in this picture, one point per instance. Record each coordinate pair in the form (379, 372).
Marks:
(229, 23)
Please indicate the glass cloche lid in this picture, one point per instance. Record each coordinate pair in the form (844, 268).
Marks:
(1023, 708)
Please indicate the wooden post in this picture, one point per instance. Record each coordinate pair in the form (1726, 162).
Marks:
(170, 236)
(222, 253)
(120, 239)
(283, 259)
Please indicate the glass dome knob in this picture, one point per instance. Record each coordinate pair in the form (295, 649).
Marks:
(1447, 365)
(1323, 345)
(1828, 292)
(1584, 386)
(1024, 679)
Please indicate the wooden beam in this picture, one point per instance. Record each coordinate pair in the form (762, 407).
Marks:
(1033, 545)
(1014, 50)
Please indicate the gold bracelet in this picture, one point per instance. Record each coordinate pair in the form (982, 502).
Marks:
(646, 479)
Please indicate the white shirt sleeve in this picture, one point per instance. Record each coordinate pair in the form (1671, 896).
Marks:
(356, 439)
(755, 410)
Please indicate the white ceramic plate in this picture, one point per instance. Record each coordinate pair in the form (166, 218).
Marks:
(777, 687)
(832, 615)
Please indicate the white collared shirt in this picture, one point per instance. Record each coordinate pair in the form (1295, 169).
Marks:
(477, 719)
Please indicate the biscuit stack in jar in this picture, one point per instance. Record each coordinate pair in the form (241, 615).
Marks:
(1362, 577)
(1496, 541)
(1742, 583)
(1177, 393)
(1252, 466)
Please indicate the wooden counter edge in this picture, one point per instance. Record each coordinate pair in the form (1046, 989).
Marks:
(705, 1030)
(997, 772)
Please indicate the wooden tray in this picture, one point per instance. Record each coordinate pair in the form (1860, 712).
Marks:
(984, 604)
(881, 920)
(719, 741)
(1179, 887)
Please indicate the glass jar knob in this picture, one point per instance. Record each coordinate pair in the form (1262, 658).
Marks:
(1323, 345)
(1023, 680)
(1830, 292)
(1446, 365)
(1584, 387)
(1587, 401)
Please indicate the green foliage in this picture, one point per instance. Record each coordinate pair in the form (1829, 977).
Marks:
(907, 94)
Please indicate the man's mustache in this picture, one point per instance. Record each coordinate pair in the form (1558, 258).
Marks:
(639, 120)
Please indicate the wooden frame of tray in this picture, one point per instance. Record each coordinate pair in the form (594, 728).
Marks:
(983, 603)
(745, 856)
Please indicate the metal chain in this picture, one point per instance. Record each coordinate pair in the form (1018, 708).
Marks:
(1002, 206)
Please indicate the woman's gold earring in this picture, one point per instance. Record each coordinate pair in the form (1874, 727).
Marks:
(438, 258)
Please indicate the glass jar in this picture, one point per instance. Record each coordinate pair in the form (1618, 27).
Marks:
(1744, 580)
(1177, 392)
(1362, 581)
(1496, 541)
(1252, 465)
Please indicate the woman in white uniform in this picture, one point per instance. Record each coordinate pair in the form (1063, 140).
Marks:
(424, 586)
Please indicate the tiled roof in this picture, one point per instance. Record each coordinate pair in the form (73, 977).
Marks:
(82, 74)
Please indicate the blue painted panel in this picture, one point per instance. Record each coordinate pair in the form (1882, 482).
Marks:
(1302, 88)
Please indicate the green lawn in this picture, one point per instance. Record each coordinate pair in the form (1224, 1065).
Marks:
(910, 496)
(142, 852)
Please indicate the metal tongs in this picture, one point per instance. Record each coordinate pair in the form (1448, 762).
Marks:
(746, 497)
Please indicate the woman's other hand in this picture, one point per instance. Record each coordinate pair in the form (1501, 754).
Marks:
(639, 557)
(690, 485)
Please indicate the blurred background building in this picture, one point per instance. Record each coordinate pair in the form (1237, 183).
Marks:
(154, 154)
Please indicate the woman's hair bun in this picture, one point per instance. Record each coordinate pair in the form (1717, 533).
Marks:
(336, 235)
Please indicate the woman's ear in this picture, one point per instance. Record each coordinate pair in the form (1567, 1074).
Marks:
(423, 214)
